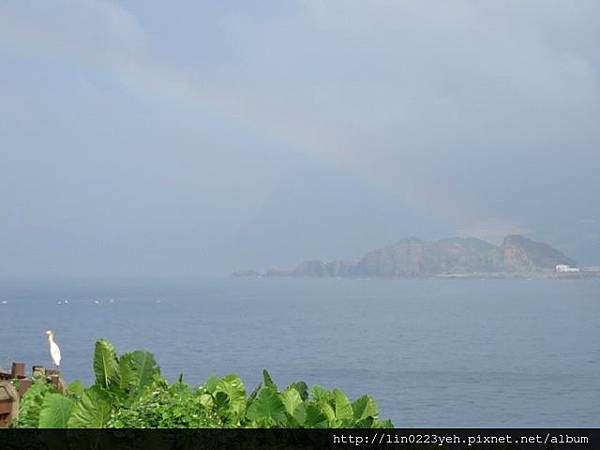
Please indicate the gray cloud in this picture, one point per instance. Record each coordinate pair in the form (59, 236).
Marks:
(150, 139)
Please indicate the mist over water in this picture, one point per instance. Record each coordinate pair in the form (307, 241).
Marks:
(259, 134)
(431, 352)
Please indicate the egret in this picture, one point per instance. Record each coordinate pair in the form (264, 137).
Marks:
(54, 350)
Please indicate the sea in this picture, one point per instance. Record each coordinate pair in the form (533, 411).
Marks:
(432, 352)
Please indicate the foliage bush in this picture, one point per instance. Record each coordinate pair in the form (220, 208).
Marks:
(129, 392)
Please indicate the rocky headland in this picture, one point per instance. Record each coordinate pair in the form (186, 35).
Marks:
(516, 256)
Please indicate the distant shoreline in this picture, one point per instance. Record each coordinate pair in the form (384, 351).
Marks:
(524, 275)
(516, 258)
(444, 276)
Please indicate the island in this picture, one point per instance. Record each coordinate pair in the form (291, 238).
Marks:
(516, 256)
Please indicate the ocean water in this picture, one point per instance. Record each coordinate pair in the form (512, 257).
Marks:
(431, 352)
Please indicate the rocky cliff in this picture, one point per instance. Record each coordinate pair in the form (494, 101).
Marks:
(412, 257)
(524, 255)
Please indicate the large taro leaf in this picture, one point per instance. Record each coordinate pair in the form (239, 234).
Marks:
(319, 393)
(56, 411)
(253, 395)
(383, 424)
(267, 409)
(364, 408)
(93, 410)
(31, 403)
(342, 408)
(302, 389)
(268, 380)
(327, 411)
(211, 384)
(75, 389)
(106, 364)
(291, 400)
(233, 387)
(136, 371)
(314, 416)
(299, 415)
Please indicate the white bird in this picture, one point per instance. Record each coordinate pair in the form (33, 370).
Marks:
(54, 350)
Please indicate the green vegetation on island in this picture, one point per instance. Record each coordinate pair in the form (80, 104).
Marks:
(129, 392)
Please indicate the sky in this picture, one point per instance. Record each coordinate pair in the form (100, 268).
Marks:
(198, 137)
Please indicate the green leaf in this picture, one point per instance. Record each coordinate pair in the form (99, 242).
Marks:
(300, 414)
(383, 424)
(267, 409)
(106, 365)
(31, 403)
(291, 400)
(314, 416)
(137, 370)
(364, 407)
(343, 408)
(327, 411)
(253, 394)
(268, 381)
(302, 389)
(206, 400)
(211, 383)
(75, 388)
(233, 387)
(320, 393)
(93, 410)
(55, 411)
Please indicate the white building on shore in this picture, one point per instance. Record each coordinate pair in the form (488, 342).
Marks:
(565, 268)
